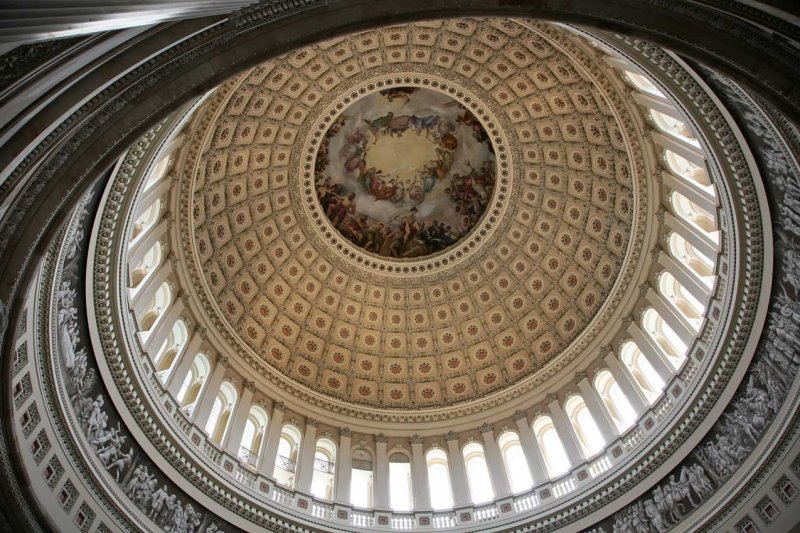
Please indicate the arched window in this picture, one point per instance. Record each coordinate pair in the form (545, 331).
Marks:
(158, 305)
(614, 400)
(674, 127)
(645, 376)
(519, 477)
(685, 253)
(666, 338)
(589, 436)
(681, 300)
(253, 435)
(171, 349)
(286, 460)
(439, 479)
(158, 172)
(480, 484)
(695, 215)
(683, 168)
(361, 478)
(400, 496)
(146, 220)
(193, 383)
(553, 453)
(151, 261)
(324, 463)
(643, 84)
(221, 412)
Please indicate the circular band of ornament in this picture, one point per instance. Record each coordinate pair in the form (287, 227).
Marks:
(478, 185)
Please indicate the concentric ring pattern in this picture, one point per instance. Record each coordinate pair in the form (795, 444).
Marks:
(313, 308)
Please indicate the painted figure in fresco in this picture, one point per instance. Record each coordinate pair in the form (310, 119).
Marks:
(349, 180)
(399, 93)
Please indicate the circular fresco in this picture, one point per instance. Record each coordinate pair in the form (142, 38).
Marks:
(405, 172)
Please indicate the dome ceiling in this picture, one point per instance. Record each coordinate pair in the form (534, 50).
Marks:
(416, 215)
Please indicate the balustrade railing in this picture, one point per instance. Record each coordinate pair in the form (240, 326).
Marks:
(402, 522)
(282, 496)
(285, 463)
(362, 519)
(246, 455)
(599, 466)
(445, 521)
(322, 510)
(321, 465)
(245, 477)
(564, 486)
(486, 513)
(526, 502)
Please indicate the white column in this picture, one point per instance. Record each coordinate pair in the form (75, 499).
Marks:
(184, 366)
(206, 402)
(699, 197)
(653, 352)
(152, 194)
(140, 300)
(163, 326)
(304, 470)
(494, 460)
(381, 487)
(671, 317)
(458, 472)
(683, 149)
(531, 449)
(626, 385)
(693, 236)
(142, 244)
(419, 473)
(564, 429)
(344, 467)
(659, 104)
(269, 449)
(234, 437)
(601, 418)
(686, 277)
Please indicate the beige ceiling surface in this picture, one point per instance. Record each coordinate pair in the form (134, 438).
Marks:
(332, 318)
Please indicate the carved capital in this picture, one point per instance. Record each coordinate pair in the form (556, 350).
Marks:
(451, 435)
(627, 320)
(312, 422)
(643, 288)
(279, 406)
(580, 376)
(416, 439)
(345, 432)
(605, 350)
(655, 251)
(519, 414)
(380, 438)
(551, 398)
(186, 301)
(486, 427)
(224, 361)
(250, 385)
(660, 214)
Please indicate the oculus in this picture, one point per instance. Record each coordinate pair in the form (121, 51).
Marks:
(405, 172)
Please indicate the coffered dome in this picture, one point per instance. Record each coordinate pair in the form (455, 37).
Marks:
(416, 216)
(455, 274)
